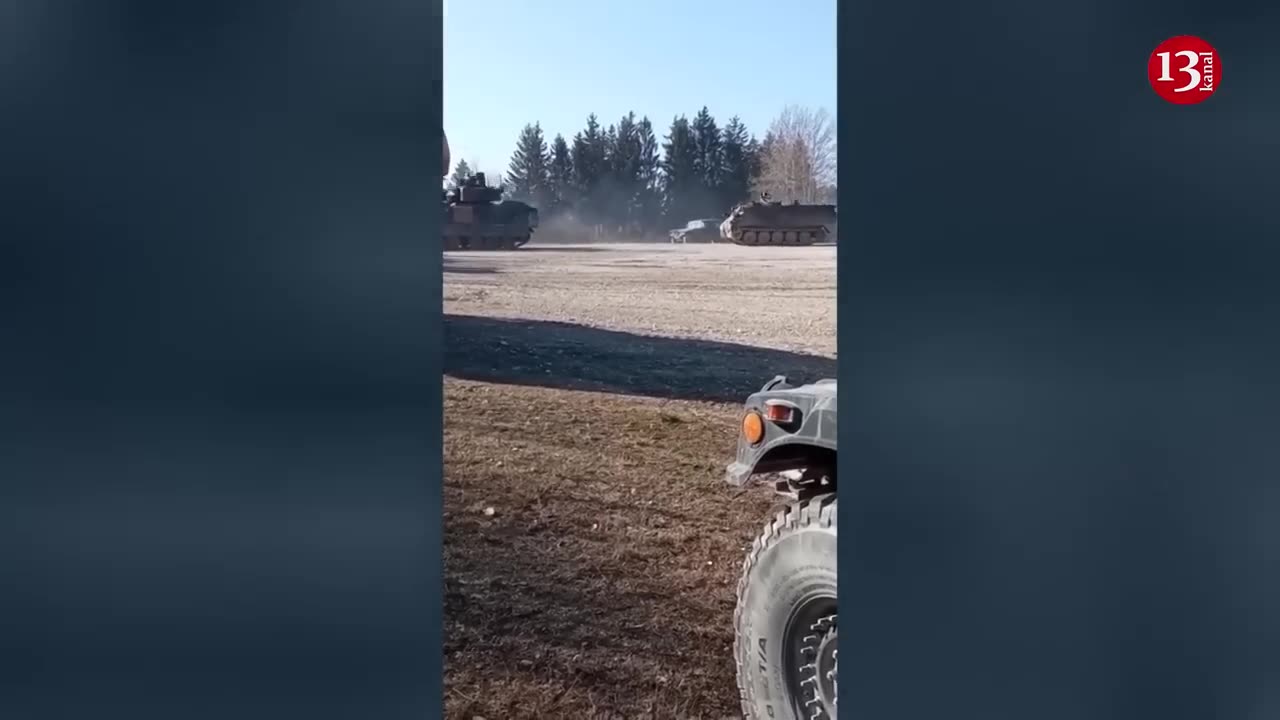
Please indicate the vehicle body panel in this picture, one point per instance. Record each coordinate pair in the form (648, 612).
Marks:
(786, 448)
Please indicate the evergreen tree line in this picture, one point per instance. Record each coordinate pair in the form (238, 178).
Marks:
(624, 179)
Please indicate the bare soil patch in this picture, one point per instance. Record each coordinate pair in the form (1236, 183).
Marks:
(782, 298)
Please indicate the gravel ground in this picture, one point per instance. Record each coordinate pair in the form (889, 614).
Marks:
(782, 298)
(591, 403)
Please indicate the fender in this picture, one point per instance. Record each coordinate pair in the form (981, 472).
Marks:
(807, 437)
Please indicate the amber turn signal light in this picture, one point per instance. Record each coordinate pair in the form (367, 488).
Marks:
(753, 427)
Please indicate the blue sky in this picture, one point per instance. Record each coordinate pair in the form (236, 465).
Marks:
(511, 62)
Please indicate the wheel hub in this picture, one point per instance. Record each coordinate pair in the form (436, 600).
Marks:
(819, 674)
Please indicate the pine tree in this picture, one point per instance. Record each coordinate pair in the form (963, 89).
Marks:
(681, 184)
(710, 163)
(560, 175)
(736, 150)
(527, 177)
(763, 152)
(755, 161)
(587, 155)
(648, 177)
(461, 172)
(624, 168)
(608, 194)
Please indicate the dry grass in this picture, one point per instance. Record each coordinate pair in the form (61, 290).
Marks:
(592, 549)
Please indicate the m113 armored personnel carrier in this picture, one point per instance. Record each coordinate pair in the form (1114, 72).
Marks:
(763, 222)
(785, 624)
(477, 218)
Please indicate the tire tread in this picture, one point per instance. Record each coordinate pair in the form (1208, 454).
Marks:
(818, 511)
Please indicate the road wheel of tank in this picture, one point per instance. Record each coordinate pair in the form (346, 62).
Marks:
(785, 629)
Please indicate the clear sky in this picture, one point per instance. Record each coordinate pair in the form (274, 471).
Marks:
(511, 62)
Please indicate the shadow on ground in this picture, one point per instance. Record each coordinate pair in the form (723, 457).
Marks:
(574, 357)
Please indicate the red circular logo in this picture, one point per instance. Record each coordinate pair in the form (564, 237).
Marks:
(1184, 70)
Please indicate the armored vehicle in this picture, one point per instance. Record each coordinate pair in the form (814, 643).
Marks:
(704, 230)
(763, 222)
(785, 630)
(477, 218)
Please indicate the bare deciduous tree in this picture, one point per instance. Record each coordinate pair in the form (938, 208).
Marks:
(800, 162)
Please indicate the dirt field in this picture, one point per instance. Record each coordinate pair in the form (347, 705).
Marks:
(591, 400)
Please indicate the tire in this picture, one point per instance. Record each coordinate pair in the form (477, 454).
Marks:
(785, 628)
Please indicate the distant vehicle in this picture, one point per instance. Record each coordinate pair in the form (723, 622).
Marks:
(477, 218)
(765, 222)
(704, 230)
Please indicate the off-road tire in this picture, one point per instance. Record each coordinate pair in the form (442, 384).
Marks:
(791, 561)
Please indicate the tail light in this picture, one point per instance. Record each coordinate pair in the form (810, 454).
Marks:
(780, 412)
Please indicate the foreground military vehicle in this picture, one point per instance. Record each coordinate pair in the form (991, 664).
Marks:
(477, 218)
(762, 222)
(785, 641)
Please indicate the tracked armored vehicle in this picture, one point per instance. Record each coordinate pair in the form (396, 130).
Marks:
(762, 222)
(785, 623)
(477, 218)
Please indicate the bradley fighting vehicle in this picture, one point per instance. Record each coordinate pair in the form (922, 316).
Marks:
(762, 222)
(477, 218)
(785, 624)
